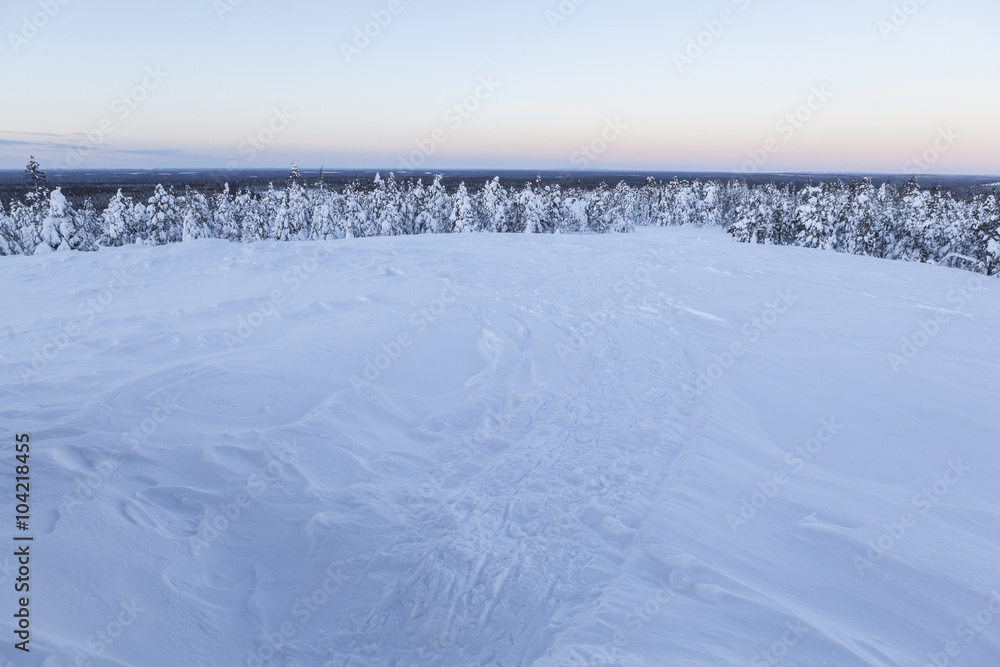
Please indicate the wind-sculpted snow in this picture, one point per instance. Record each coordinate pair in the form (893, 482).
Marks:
(658, 448)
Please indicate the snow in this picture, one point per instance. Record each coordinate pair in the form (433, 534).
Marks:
(505, 450)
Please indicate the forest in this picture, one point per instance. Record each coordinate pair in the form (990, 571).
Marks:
(903, 223)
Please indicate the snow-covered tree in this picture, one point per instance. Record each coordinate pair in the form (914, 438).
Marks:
(120, 221)
(811, 221)
(89, 224)
(165, 219)
(357, 218)
(59, 230)
(437, 204)
(986, 222)
(386, 207)
(623, 212)
(751, 216)
(911, 222)
(246, 223)
(463, 215)
(294, 214)
(328, 215)
(224, 221)
(493, 205)
(197, 217)
(10, 239)
(531, 210)
(34, 175)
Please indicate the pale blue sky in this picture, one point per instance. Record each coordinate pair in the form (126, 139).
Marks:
(935, 79)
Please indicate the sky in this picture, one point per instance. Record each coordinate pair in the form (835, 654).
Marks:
(852, 86)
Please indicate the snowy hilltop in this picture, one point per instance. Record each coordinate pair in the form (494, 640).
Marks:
(654, 448)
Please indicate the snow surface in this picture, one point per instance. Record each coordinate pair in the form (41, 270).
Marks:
(533, 478)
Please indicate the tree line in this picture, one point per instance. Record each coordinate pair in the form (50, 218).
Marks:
(907, 223)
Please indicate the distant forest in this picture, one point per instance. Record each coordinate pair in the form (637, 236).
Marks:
(905, 222)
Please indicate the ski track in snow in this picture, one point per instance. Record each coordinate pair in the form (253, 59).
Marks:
(517, 487)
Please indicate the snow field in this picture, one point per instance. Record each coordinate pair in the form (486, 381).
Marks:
(648, 449)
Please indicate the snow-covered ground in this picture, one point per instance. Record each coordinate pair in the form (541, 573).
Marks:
(653, 449)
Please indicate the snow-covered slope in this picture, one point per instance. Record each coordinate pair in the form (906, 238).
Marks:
(652, 449)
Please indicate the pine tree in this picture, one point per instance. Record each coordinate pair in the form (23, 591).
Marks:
(811, 223)
(36, 177)
(885, 238)
(89, 226)
(530, 208)
(622, 209)
(246, 223)
(711, 205)
(269, 205)
(837, 216)
(327, 220)
(438, 206)
(225, 221)
(120, 222)
(59, 231)
(492, 202)
(598, 213)
(987, 232)
(166, 222)
(357, 220)
(748, 224)
(910, 222)
(385, 207)
(10, 241)
(294, 214)
(463, 215)
(648, 203)
(197, 217)
(863, 218)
